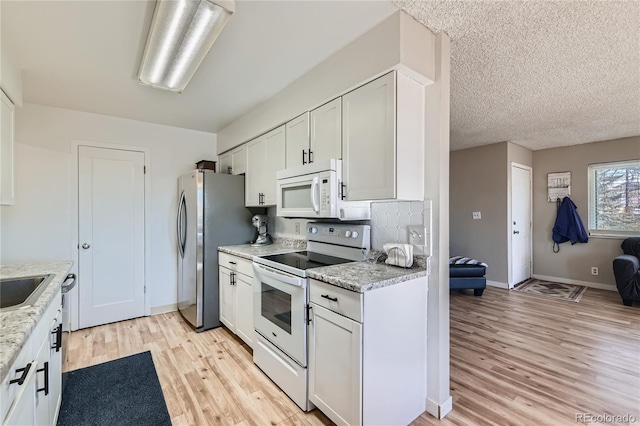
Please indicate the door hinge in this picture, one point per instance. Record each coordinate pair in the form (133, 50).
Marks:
(144, 168)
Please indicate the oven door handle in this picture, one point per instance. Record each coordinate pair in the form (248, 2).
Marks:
(278, 276)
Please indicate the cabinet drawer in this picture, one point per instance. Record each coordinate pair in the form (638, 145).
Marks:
(336, 299)
(236, 264)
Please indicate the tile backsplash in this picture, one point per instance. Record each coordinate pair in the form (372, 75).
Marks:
(390, 219)
(389, 222)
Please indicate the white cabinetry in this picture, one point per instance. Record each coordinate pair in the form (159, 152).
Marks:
(6, 150)
(265, 156)
(31, 392)
(366, 365)
(234, 161)
(326, 131)
(236, 296)
(297, 141)
(383, 139)
(315, 135)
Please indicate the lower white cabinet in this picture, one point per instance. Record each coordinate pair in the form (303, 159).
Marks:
(236, 296)
(31, 392)
(367, 353)
(335, 366)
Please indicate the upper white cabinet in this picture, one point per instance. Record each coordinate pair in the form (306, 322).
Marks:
(315, 135)
(326, 131)
(382, 128)
(297, 141)
(234, 161)
(6, 150)
(265, 156)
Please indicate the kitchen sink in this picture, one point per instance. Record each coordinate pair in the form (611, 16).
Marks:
(21, 292)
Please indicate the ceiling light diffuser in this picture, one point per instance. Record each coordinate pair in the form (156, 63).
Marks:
(181, 34)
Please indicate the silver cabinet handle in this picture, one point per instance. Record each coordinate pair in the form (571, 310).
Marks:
(86, 246)
(66, 285)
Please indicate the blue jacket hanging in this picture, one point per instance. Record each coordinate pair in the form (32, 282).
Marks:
(568, 225)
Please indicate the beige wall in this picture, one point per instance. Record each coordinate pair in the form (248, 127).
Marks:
(574, 262)
(481, 182)
(478, 183)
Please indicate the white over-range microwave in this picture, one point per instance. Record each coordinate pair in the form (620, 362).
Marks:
(314, 191)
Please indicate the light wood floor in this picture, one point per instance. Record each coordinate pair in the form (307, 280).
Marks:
(516, 359)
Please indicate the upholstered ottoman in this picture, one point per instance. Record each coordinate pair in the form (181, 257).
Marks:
(466, 273)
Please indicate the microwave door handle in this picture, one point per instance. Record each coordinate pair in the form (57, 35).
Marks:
(315, 190)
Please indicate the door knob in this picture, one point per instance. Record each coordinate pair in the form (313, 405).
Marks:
(86, 246)
(516, 232)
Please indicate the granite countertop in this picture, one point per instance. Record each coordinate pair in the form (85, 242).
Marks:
(16, 325)
(280, 245)
(362, 276)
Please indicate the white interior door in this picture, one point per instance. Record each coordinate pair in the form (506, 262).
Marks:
(111, 259)
(520, 224)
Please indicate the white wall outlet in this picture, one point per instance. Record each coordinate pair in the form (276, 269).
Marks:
(417, 235)
(594, 270)
(297, 228)
(477, 215)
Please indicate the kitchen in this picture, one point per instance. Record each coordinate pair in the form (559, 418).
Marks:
(57, 127)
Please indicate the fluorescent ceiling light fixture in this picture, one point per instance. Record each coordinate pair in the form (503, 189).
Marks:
(181, 34)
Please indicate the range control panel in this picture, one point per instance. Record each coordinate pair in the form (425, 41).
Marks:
(343, 234)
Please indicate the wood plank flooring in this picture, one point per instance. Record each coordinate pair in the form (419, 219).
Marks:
(516, 359)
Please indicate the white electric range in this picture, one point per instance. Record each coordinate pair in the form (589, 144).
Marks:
(281, 300)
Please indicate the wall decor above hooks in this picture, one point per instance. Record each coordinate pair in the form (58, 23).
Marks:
(558, 186)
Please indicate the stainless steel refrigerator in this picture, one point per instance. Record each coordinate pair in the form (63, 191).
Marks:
(211, 213)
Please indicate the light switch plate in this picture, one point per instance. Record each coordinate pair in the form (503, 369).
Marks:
(477, 215)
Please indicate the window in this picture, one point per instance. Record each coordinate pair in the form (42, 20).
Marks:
(614, 198)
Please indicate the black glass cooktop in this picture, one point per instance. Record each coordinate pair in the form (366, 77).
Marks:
(305, 260)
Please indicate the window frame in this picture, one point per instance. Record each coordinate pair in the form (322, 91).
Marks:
(591, 169)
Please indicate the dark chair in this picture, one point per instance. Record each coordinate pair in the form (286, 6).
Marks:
(626, 269)
(467, 275)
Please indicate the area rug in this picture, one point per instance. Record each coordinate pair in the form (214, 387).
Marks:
(558, 291)
(125, 391)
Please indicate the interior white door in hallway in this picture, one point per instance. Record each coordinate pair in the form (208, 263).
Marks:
(111, 244)
(520, 228)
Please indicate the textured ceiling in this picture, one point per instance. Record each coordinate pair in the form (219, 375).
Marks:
(539, 73)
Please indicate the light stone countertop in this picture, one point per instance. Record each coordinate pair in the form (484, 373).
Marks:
(16, 325)
(362, 276)
(280, 245)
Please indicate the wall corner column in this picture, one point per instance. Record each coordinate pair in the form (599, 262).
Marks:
(439, 401)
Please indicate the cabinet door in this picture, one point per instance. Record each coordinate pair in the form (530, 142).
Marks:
(55, 369)
(227, 299)
(6, 150)
(22, 410)
(326, 131)
(226, 164)
(297, 141)
(239, 160)
(43, 416)
(244, 308)
(335, 366)
(255, 175)
(369, 140)
(274, 160)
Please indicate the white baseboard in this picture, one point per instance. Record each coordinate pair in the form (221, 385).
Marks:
(576, 282)
(439, 410)
(497, 284)
(156, 310)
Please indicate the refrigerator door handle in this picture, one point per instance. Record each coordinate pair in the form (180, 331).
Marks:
(179, 229)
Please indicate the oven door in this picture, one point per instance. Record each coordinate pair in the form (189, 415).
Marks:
(311, 195)
(279, 307)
